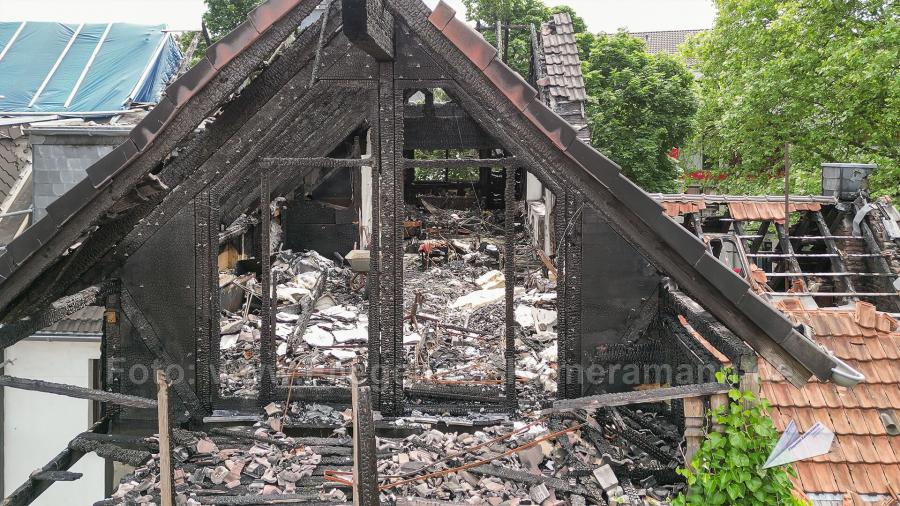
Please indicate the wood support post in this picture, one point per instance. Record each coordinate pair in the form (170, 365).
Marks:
(166, 476)
(509, 232)
(365, 460)
(717, 401)
(694, 423)
(267, 334)
(389, 156)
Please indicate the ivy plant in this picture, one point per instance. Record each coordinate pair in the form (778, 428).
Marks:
(727, 469)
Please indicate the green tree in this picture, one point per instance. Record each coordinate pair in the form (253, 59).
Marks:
(728, 467)
(516, 41)
(221, 17)
(818, 75)
(641, 106)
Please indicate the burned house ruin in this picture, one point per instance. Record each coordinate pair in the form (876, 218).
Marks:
(364, 131)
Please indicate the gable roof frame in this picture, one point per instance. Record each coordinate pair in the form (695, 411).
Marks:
(497, 98)
(547, 140)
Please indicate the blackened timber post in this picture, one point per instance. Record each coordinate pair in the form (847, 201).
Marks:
(373, 282)
(204, 294)
(559, 226)
(509, 233)
(267, 334)
(112, 343)
(390, 110)
(572, 301)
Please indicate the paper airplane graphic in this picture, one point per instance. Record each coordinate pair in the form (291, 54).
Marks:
(793, 447)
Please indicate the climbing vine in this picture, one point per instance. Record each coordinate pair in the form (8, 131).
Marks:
(727, 469)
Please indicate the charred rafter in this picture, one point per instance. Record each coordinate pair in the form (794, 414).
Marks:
(370, 27)
(11, 333)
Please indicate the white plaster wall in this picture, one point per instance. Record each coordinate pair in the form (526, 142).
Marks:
(37, 426)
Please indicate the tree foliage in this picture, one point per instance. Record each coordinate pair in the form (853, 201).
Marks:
(641, 106)
(520, 14)
(819, 75)
(728, 467)
(221, 17)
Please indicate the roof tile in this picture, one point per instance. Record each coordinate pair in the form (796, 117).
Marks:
(511, 84)
(441, 15)
(190, 83)
(271, 11)
(470, 42)
(553, 126)
(229, 46)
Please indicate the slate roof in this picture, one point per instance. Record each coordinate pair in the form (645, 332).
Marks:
(563, 67)
(666, 41)
(865, 458)
(776, 335)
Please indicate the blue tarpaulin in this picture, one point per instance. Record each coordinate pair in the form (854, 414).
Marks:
(70, 68)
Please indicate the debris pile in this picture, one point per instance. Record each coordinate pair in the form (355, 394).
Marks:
(227, 464)
(566, 461)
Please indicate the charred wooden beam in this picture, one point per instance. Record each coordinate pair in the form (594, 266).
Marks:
(314, 393)
(304, 499)
(128, 456)
(56, 476)
(250, 436)
(76, 392)
(640, 397)
(708, 326)
(531, 479)
(30, 490)
(462, 163)
(365, 458)
(370, 27)
(389, 157)
(267, 301)
(305, 163)
(14, 332)
(509, 263)
(489, 394)
(237, 228)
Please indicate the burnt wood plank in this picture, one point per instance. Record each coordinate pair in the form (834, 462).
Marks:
(75, 392)
(640, 397)
(370, 26)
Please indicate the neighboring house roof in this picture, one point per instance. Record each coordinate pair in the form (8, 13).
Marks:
(87, 68)
(666, 41)
(564, 79)
(87, 321)
(472, 60)
(865, 459)
(742, 207)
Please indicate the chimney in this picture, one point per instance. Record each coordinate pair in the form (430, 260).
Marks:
(845, 180)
